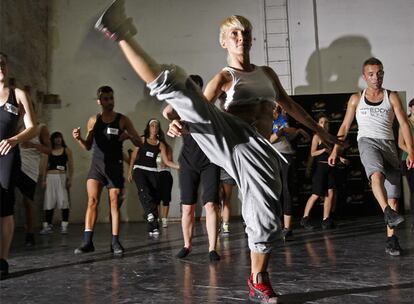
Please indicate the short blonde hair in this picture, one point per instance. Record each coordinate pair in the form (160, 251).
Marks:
(234, 21)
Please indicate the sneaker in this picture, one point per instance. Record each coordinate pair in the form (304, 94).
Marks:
(113, 22)
(328, 223)
(214, 256)
(47, 229)
(4, 269)
(164, 222)
(85, 248)
(30, 240)
(306, 223)
(225, 228)
(393, 246)
(183, 253)
(117, 249)
(155, 233)
(392, 218)
(64, 228)
(287, 235)
(262, 291)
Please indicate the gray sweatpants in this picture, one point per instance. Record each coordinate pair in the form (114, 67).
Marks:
(234, 145)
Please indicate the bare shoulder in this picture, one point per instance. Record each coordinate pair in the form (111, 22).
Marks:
(394, 97)
(20, 95)
(354, 99)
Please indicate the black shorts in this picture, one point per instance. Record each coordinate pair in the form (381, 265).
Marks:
(165, 184)
(190, 179)
(110, 174)
(26, 185)
(323, 179)
(7, 199)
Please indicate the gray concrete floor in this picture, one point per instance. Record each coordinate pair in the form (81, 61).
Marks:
(345, 265)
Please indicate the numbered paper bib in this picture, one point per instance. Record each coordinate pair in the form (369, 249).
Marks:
(149, 154)
(11, 109)
(112, 131)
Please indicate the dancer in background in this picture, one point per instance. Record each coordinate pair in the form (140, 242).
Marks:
(323, 180)
(409, 174)
(375, 109)
(143, 169)
(106, 132)
(57, 175)
(281, 136)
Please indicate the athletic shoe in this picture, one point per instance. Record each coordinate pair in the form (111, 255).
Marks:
(4, 269)
(164, 222)
(85, 248)
(328, 223)
(393, 246)
(117, 249)
(287, 235)
(262, 291)
(183, 253)
(155, 233)
(392, 218)
(213, 256)
(306, 223)
(64, 228)
(114, 24)
(47, 229)
(30, 240)
(225, 229)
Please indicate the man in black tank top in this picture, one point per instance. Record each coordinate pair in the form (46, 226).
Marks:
(105, 134)
(13, 104)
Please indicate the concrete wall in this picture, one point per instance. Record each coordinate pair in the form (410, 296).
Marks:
(183, 32)
(331, 38)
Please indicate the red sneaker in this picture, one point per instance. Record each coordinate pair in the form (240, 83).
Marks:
(262, 291)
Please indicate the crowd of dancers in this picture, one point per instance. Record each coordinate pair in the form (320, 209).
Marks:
(246, 143)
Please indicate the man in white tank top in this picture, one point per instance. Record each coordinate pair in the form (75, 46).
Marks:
(375, 109)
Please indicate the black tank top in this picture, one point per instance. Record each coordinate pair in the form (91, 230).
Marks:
(322, 157)
(192, 155)
(58, 162)
(106, 145)
(147, 155)
(9, 117)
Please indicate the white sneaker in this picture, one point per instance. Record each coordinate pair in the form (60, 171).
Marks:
(47, 229)
(64, 228)
(164, 222)
(155, 233)
(226, 229)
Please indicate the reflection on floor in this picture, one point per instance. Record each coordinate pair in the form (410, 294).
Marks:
(345, 265)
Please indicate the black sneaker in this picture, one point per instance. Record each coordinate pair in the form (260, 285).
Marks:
(85, 248)
(262, 291)
(183, 253)
(392, 218)
(4, 269)
(117, 249)
(393, 246)
(30, 240)
(287, 235)
(113, 22)
(214, 256)
(328, 223)
(306, 223)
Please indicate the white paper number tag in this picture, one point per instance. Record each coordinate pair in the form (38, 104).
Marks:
(112, 131)
(149, 154)
(11, 109)
(61, 168)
